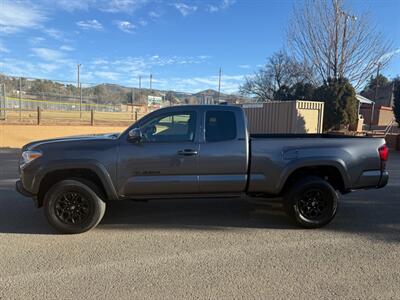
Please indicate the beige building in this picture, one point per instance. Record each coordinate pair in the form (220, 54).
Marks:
(285, 117)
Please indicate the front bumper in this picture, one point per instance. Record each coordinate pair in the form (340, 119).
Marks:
(20, 189)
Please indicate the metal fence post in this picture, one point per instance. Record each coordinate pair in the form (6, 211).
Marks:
(3, 102)
(135, 115)
(20, 99)
(39, 115)
(92, 117)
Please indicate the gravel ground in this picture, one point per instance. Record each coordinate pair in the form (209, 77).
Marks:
(219, 248)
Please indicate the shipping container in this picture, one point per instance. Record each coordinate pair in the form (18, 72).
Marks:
(285, 117)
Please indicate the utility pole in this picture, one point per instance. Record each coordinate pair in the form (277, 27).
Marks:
(78, 89)
(80, 100)
(132, 98)
(377, 81)
(219, 83)
(376, 95)
(59, 96)
(343, 54)
(140, 88)
(151, 83)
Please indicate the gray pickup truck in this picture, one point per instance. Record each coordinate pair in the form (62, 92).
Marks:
(197, 151)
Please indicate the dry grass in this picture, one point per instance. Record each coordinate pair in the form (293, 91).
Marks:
(15, 136)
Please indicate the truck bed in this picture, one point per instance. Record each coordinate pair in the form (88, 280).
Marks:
(304, 135)
(275, 156)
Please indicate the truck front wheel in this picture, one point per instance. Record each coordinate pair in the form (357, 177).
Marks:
(71, 206)
(311, 202)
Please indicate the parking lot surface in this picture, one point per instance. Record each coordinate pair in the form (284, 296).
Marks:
(219, 248)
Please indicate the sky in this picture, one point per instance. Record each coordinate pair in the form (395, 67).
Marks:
(182, 43)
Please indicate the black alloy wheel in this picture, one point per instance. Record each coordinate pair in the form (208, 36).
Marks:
(72, 208)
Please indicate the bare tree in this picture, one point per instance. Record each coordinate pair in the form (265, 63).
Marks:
(280, 71)
(335, 43)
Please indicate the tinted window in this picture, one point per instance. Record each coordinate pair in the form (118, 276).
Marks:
(176, 127)
(220, 126)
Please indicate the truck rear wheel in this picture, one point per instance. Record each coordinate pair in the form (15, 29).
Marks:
(311, 202)
(71, 206)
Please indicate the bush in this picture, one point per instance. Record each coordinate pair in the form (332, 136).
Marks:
(340, 103)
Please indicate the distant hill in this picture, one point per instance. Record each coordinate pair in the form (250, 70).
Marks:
(108, 93)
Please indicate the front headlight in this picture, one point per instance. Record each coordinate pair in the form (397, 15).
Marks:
(29, 156)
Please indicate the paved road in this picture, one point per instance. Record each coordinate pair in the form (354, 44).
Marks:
(202, 249)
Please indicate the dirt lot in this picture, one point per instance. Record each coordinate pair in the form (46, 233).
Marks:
(202, 249)
(19, 135)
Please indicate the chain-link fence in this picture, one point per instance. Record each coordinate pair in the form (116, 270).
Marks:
(32, 100)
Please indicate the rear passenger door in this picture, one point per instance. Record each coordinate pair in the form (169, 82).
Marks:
(223, 153)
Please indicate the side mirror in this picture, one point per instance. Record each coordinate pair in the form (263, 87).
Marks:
(135, 135)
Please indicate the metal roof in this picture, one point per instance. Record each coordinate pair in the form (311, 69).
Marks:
(362, 99)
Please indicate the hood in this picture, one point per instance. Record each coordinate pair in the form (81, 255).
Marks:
(106, 136)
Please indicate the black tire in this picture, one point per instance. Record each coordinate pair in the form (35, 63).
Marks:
(71, 206)
(311, 202)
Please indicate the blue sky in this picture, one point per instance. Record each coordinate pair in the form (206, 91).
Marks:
(183, 43)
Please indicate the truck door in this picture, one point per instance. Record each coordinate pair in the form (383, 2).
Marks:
(165, 160)
(223, 156)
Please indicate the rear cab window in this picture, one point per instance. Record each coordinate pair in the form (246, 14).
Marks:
(220, 126)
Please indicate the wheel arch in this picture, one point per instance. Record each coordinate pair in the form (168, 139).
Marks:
(95, 174)
(332, 172)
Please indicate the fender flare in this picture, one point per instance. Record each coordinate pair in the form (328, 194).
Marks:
(312, 162)
(91, 165)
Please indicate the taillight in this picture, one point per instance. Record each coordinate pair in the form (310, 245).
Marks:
(383, 153)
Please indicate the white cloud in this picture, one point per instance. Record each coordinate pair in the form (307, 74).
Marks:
(100, 62)
(28, 68)
(15, 16)
(107, 75)
(3, 48)
(73, 5)
(129, 67)
(124, 70)
(125, 26)
(54, 33)
(67, 48)
(222, 6)
(90, 24)
(48, 54)
(143, 22)
(229, 83)
(155, 14)
(244, 66)
(227, 3)
(36, 40)
(391, 53)
(125, 6)
(213, 8)
(185, 9)
(48, 67)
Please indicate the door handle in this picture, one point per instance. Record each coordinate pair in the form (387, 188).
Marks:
(187, 152)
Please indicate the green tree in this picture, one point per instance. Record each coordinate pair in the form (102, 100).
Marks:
(396, 94)
(298, 91)
(380, 81)
(340, 103)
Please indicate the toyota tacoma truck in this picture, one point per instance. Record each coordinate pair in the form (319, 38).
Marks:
(197, 151)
